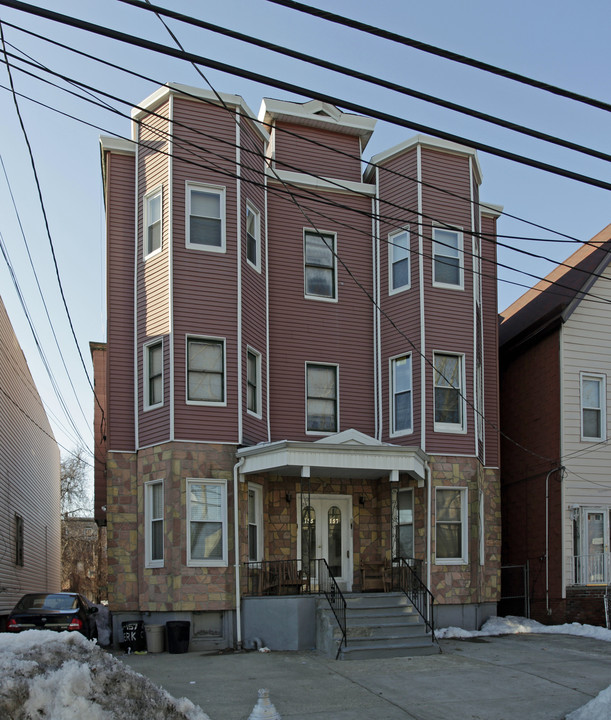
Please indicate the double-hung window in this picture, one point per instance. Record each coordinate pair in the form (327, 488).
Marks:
(207, 522)
(447, 258)
(253, 382)
(153, 374)
(206, 217)
(253, 236)
(206, 370)
(451, 526)
(321, 392)
(153, 508)
(152, 222)
(448, 374)
(255, 523)
(401, 379)
(593, 410)
(320, 267)
(399, 257)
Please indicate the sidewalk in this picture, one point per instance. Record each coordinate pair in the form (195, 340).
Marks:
(539, 677)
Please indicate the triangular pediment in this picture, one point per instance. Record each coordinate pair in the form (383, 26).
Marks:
(349, 437)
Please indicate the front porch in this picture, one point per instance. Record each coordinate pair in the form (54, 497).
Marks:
(593, 569)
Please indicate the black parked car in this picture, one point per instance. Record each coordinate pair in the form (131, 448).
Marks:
(53, 611)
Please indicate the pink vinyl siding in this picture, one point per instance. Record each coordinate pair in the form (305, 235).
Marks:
(120, 199)
(153, 295)
(205, 283)
(317, 331)
(312, 150)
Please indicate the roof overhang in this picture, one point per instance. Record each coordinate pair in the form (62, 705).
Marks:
(347, 454)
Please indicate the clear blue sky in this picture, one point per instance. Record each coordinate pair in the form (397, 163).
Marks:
(563, 43)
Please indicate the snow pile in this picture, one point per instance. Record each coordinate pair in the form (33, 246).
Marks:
(597, 709)
(513, 625)
(64, 676)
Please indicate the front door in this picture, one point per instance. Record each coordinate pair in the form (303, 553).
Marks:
(324, 532)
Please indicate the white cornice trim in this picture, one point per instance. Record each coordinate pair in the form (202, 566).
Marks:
(491, 209)
(117, 145)
(305, 180)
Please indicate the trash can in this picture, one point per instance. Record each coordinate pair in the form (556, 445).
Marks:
(178, 635)
(133, 636)
(154, 638)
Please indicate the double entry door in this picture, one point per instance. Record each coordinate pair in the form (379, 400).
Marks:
(324, 531)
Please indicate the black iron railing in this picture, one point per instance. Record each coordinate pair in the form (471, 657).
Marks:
(328, 585)
(277, 577)
(406, 577)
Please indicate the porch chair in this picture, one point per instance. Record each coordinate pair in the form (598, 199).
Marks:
(375, 575)
(283, 578)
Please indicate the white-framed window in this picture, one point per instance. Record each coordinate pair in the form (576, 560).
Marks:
(399, 261)
(207, 522)
(253, 382)
(255, 522)
(320, 276)
(153, 374)
(449, 383)
(206, 370)
(451, 543)
(448, 258)
(401, 395)
(405, 526)
(253, 236)
(321, 399)
(154, 519)
(153, 213)
(593, 407)
(205, 207)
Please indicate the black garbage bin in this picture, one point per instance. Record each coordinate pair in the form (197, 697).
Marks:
(178, 635)
(134, 639)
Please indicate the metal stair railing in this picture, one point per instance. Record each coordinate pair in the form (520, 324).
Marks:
(328, 586)
(406, 579)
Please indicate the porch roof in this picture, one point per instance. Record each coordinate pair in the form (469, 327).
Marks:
(347, 454)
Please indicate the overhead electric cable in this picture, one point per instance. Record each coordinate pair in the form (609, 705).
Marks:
(308, 92)
(447, 54)
(380, 82)
(313, 141)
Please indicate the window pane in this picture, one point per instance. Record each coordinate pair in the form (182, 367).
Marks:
(157, 540)
(449, 540)
(403, 374)
(403, 411)
(206, 541)
(206, 502)
(447, 371)
(447, 406)
(251, 248)
(154, 237)
(321, 415)
(321, 382)
(308, 539)
(591, 424)
(400, 274)
(155, 359)
(156, 501)
(154, 209)
(318, 250)
(319, 281)
(447, 242)
(591, 393)
(334, 540)
(448, 505)
(406, 541)
(447, 271)
(205, 231)
(252, 543)
(205, 204)
(400, 246)
(205, 356)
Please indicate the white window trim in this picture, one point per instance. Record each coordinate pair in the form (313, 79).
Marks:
(207, 563)
(257, 354)
(337, 420)
(250, 207)
(198, 338)
(603, 405)
(220, 190)
(464, 518)
(321, 298)
(454, 428)
(146, 378)
(145, 224)
(258, 490)
(148, 515)
(391, 375)
(391, 247)
(461, 258)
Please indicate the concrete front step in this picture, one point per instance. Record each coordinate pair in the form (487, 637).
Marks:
(372, 651)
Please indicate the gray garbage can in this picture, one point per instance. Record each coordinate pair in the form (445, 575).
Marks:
(154, 638)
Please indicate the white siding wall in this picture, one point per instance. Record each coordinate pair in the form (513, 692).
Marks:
(586, 347)
(29, 479)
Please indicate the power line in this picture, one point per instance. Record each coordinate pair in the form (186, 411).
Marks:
(447, 54)
(380, 82)
(300, 90)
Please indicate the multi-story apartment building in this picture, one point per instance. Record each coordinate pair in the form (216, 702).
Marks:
(301, 360)
(29, 481)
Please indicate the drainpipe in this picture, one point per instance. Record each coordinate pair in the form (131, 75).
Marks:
(553, 470)
(427, 472)
(236, 548)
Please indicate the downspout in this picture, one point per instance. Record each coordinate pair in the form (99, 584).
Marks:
(429, 506)
(236, 549)
(553, 470)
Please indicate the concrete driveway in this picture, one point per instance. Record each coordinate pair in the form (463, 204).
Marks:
(530, 677)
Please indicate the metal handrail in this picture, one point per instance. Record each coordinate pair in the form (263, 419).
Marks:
(408, 581)
(328, 585)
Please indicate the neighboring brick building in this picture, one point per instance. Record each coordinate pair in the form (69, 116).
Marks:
(29, 481)
(556, 490)
(326, 351)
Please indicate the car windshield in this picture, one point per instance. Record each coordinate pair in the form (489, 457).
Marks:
(47, 602)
